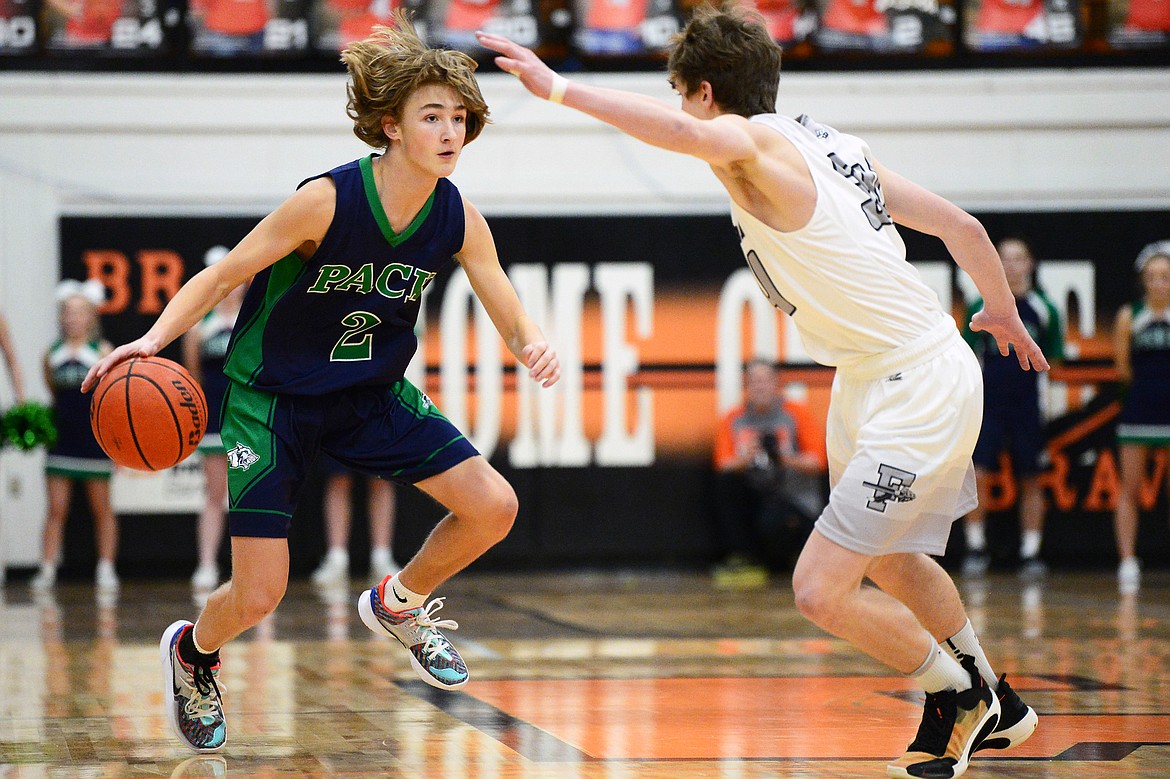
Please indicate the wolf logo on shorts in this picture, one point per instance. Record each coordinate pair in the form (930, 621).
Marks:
(892, 484)
(242, 457)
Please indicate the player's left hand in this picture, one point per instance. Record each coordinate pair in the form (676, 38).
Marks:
(541, 361)
(1008, 330)
(522, 63)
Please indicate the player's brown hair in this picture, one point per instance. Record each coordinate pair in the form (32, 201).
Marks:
(391, 64)
(731, 51)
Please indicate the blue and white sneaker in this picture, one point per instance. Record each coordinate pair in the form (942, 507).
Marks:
(193, 702)
(431, 654)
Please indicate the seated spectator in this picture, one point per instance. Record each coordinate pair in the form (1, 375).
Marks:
(769, 465)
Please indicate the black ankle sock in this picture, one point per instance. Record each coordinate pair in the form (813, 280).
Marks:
(190, 654)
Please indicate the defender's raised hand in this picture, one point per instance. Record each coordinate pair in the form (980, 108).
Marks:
(537, 78)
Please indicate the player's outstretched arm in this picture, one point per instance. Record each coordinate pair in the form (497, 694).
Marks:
(721, 142)
(298, 223)
(480, 262)
(917, 207)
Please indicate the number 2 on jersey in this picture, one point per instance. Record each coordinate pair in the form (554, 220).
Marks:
(355, 343)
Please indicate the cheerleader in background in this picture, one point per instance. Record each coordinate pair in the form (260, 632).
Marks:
(76, 457)
(204, 351)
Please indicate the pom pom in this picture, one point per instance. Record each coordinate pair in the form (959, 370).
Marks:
(28, 425)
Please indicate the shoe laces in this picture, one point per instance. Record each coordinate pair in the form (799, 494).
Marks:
(205, 701)
(433, 640)
(938, 717)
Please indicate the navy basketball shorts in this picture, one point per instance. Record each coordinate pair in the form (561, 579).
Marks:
(272, 441)
(1013, 427)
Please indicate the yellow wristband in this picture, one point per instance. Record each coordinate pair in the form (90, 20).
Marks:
(560, 85)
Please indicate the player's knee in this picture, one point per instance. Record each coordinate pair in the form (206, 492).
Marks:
(255, 603)
(815, 601)
(498, 511)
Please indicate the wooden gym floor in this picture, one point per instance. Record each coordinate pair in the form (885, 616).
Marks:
(577, 675)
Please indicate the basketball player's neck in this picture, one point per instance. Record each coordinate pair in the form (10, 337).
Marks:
(403, 186)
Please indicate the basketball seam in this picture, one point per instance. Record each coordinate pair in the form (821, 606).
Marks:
(174, 417)
(130, 416)
(200, 394)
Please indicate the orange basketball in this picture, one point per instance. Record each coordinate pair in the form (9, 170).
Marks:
(148, 413)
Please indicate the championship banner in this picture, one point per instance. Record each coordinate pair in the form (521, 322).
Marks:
(653, 318)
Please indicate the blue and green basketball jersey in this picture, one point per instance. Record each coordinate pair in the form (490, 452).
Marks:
(346, 317)
(1002, 376)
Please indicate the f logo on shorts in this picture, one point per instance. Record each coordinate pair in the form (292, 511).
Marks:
(892, 484)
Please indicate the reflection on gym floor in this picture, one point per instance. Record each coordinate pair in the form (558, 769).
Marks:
(575, 675)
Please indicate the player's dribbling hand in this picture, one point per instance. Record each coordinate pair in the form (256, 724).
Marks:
(522, 63)
(541, 361)
(1008, 330)
(143, 347)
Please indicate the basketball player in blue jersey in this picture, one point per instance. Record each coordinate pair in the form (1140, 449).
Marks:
(317, 357)
(815, 215)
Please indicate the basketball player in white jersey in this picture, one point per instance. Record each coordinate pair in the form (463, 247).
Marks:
(815, 214)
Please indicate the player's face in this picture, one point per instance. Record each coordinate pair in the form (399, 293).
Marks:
(1156, 279)
(1017, 265)
(760, 386)
(432, 129)
(77, 317)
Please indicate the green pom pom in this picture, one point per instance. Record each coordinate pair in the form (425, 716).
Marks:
(29, 425)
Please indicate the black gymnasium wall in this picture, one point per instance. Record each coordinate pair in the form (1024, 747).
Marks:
(646, 514)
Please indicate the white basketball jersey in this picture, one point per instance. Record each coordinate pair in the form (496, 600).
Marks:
(843, 277)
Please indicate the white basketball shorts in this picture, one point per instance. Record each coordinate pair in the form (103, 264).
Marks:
(899, 449)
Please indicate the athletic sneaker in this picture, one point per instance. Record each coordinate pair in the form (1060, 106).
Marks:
(105, 577)
(1032, 568)
(976, 564)
(382, 564)
(1129, 576)
(193, 702)
(1017, 720)
(205, 577)
(45, 580)
(334, 569)
(954, 725)
(431, 654)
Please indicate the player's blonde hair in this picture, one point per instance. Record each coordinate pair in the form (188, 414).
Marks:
(386, 68)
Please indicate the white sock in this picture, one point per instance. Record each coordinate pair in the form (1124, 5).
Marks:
(1030, 544)
(195, 643)
(939, 671)
(966, 643)
(976, 538)
(397, 597)
(337, 555)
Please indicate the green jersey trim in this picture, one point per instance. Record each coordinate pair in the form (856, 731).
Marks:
(246, 358)
(394, 239)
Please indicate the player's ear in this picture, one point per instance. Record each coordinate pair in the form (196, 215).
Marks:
(706, 94)
(390, 128)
